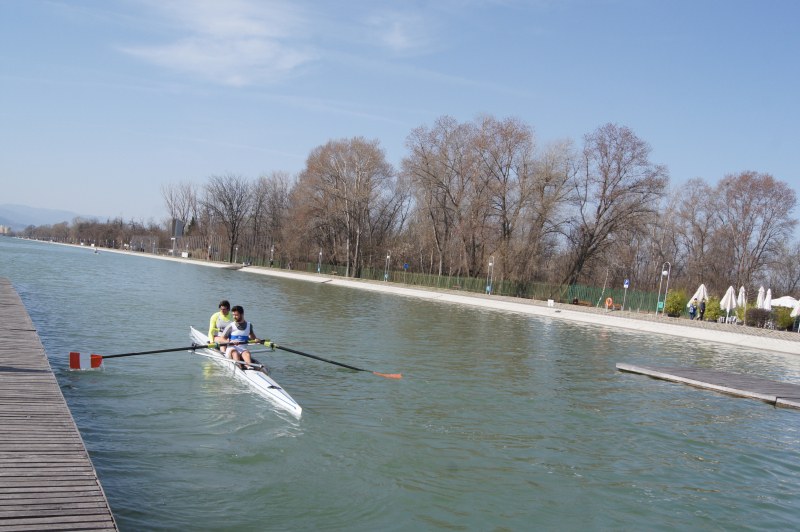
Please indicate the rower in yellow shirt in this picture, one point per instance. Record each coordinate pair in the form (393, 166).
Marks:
(219, 320)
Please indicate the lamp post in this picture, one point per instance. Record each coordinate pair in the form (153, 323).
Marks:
(319, 262)
(386, 269)
(490, 276)
(236, 254)
(666, 269)
(271, 254)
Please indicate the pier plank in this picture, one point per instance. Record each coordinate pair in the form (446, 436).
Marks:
(783, 394)
(47, 480)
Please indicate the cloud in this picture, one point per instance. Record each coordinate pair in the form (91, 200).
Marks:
(402, 33)
(236, 42)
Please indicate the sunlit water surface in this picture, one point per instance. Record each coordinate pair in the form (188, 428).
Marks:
(501, 422)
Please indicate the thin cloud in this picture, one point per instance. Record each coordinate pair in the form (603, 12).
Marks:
(404, 33)
(234, 43)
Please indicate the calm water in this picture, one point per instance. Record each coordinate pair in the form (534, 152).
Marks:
(502, 422)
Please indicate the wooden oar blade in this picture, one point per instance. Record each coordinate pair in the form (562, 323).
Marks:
(84, 361)
(388, 375)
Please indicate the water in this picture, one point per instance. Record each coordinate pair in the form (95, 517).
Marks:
(501, 422)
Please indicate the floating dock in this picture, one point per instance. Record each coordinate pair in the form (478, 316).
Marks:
(47, 481)
(776, 393)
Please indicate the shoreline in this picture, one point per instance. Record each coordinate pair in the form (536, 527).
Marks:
(750, 337)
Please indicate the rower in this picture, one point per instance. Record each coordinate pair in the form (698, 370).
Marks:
(219, 320)
(238, 334)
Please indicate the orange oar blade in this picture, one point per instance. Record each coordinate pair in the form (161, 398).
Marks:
(389, 375)
(86, 361)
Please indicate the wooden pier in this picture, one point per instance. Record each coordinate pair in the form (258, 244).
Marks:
(776, 393)
(47, 481)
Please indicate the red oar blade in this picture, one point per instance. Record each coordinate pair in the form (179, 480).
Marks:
(389, 375)
(85, 361)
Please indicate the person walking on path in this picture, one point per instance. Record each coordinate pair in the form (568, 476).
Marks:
(693, 309)
(702, 310)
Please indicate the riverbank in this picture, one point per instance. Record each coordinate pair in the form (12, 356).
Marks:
(723, 333)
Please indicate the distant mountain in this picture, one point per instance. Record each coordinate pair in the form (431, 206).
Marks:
(18, 217)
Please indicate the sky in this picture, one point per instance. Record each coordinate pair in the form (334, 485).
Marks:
(104, 102)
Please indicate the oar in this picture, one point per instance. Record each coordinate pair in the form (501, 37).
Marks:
(76, 361)
(348, 366)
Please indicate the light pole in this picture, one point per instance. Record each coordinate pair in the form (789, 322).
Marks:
(386, 269)
(490, 276)
(319, 262)
(666, 270)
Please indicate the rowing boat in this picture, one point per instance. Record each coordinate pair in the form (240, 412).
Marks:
(256, 376)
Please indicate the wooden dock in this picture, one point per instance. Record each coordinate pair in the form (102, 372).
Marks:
(776, 393)
(47, 481)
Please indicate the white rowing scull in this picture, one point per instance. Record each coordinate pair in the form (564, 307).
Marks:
(256, 376)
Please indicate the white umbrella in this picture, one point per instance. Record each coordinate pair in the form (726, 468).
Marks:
(699, 295)
(760, 299)
(742, 299)
(768, 300)
(796, 310)
(728, 301)
(785, 301)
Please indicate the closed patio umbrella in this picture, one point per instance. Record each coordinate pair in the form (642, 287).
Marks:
(760, 298)
(728, 301)
(742, 302)
(768, 300)
(699, 295)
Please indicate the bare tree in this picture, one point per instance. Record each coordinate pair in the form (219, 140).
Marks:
(784, 275)
(618, 189)
(505, 151)
(755, 222)
(339, 191)
(443, 169)
(694, 225)
(269, 212)
(181, 201)
(545, 214)
(229, 199)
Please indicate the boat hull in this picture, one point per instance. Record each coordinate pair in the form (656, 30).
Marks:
(258, 380)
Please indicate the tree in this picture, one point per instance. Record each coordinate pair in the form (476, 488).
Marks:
(270, 208)
(444, 169)
(505, 151)
(694, 226)
(755, 222)
(618, 190)
(181, 201)
(229, 199)
(338, 194)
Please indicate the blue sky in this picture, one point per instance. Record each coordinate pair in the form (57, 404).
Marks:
(104, 101)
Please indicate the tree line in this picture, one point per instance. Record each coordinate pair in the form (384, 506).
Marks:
(484, 197)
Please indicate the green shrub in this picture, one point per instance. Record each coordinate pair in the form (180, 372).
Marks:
(675, 305)
(783, 320)
(713, 312)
